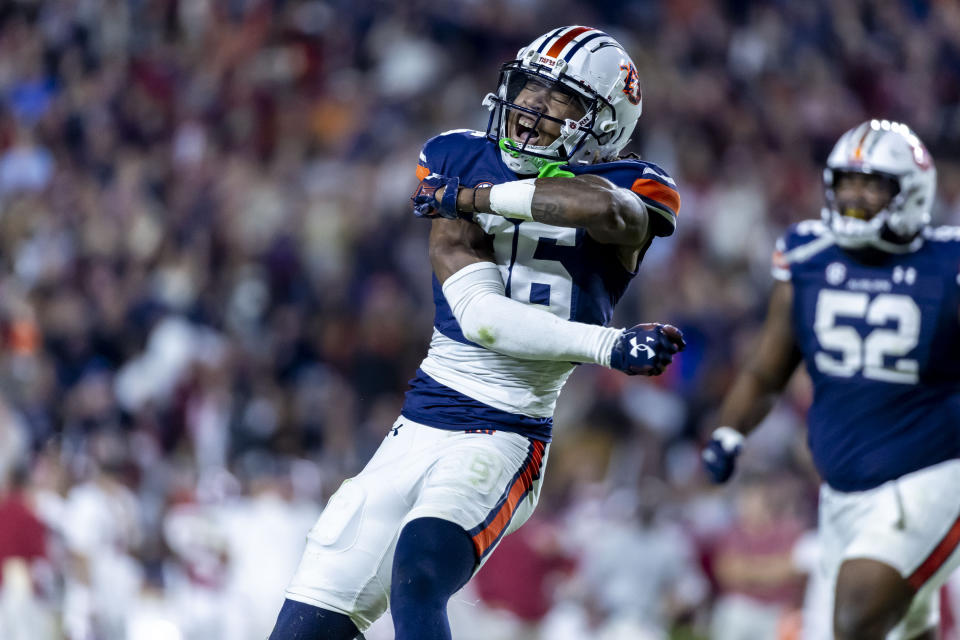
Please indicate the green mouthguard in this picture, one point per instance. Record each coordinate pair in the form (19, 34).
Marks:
(545, 168)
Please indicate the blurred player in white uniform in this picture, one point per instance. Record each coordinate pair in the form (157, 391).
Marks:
(538, 227)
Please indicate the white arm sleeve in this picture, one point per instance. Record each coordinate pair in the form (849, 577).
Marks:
(489, 318)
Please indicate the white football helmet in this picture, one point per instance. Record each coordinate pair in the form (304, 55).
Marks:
(587, 63)
(892, 150)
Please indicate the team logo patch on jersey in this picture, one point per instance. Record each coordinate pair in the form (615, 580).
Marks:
(631, 84)
(836, 273)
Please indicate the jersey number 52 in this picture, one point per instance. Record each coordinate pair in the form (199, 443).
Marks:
(870, 353)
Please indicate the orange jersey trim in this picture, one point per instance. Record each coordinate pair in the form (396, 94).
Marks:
(658, 191)
(779, 260)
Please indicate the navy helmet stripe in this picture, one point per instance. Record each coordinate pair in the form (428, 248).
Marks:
(548, 39)
(583, 41)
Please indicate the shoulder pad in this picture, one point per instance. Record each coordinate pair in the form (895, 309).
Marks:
(808, 228)
(436, 150)
(653, 185)
(626, 168)
(942, 234)
(804, 233)
(800, 242)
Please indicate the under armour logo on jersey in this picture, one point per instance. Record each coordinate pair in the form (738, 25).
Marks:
(901, 275)
(635, 351)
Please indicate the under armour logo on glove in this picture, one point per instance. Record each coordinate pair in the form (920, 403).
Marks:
(646, 349)
(635, 351)
(425, 203)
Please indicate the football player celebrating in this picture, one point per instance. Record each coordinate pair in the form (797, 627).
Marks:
(869, 299)
(538, 227)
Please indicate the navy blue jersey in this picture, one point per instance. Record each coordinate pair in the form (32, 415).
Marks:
(880, 336)
(561, 269)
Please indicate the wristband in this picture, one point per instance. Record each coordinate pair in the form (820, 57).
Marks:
(475, 189)
(513, 199)
(728, 437)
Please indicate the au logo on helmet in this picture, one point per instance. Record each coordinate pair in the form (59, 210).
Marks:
(631, 85)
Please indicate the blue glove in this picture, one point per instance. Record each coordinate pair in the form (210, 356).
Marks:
(646, 349)
(720, 454)
(425, 203)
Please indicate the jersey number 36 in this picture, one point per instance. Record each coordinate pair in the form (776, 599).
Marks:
(869, 354)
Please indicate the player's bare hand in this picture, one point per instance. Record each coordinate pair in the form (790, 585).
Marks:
(646, 349)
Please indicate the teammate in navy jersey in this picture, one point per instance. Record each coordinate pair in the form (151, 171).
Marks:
(538, 228)
(869, 299)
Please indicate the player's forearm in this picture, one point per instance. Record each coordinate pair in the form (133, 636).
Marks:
(610, 214)
(768, 371)
(749, 401)
(489, 318)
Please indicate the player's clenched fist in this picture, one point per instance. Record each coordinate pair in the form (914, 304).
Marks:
(646, 349)
(425, 201)
(720, 454)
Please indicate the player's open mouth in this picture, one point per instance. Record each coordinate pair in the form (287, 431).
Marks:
(525, 131)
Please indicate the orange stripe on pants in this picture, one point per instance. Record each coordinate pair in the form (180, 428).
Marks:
(937, 557)
(530, 472)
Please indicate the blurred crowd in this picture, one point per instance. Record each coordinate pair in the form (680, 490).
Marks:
(213, 293)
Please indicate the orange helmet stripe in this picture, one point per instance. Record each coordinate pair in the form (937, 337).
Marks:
(565, 39)
(858, 152)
